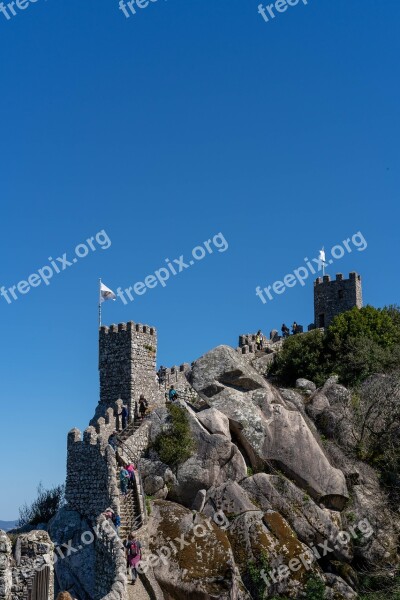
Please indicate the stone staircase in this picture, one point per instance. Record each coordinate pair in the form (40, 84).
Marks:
(129, 430)
(131, 517)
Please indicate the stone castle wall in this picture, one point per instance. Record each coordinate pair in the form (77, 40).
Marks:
(5, 566)
(127, 365)
(110, 565)
(332, 298)
(134, 447)
(33, 567)
(179, 377)
(92, 483)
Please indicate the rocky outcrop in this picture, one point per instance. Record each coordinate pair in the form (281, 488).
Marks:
(191, 555)
(215, 459)
(311, 523)
(270, 433)
(214, 421)
(76, 569)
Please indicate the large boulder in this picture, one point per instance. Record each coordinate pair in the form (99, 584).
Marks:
(76, 571)
(191, 556)
(214, 421)
(157, 477)
(266, 540)
(269, 432)
(311, 523)
(305, 385)
(229, 497)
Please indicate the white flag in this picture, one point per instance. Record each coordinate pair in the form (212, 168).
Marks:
(106, 293)
(322, 255)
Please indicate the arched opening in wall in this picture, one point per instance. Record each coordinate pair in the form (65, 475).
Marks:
(40, 585)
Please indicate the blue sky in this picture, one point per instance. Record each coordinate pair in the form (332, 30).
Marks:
(185, 120)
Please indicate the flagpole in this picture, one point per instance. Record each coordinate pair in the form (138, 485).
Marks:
(99, 302)
(323, 264)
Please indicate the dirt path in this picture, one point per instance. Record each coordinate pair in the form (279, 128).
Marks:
(137, 591)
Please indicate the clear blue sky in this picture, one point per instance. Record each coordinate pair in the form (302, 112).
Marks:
(189, 118)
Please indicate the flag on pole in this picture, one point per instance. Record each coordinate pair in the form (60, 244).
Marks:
(106, 293)
(322, 255)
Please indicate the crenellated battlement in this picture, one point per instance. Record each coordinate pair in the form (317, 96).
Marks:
(247, 339)
(353, 276)
(184, 368)
(129, 327)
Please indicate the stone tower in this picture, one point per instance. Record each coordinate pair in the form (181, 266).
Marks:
(334, 297)
(127, 365)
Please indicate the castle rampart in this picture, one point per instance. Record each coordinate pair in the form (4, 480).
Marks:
(110, 564)
(92, 483)
(179, 377)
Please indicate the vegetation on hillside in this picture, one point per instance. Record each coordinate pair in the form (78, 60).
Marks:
(358, 343)
(175, 445)
(44, 508)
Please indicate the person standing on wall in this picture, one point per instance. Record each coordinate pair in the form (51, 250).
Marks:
(143, 406)
(259, 340)
(125, 416)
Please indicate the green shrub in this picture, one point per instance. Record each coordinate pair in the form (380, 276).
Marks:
(358, 342)
(379, 587)
(176, 445)
(315, 588)
(44, 508)
(301, 356)
(253, 579)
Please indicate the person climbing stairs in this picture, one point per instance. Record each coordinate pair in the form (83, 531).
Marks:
(131, 517)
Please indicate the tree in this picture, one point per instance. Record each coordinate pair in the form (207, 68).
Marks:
(301, 356)
(175, 445)
(376, 419)
(44, 508)
(358, 343)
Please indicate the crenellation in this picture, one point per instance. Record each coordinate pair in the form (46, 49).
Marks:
(101, 425)
(90, 436)
(74, 436)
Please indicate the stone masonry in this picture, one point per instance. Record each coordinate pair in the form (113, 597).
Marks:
(179, 377)
(331, 298)
(92, 483)
(5, 567)
(33, 567)
(127, 365)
